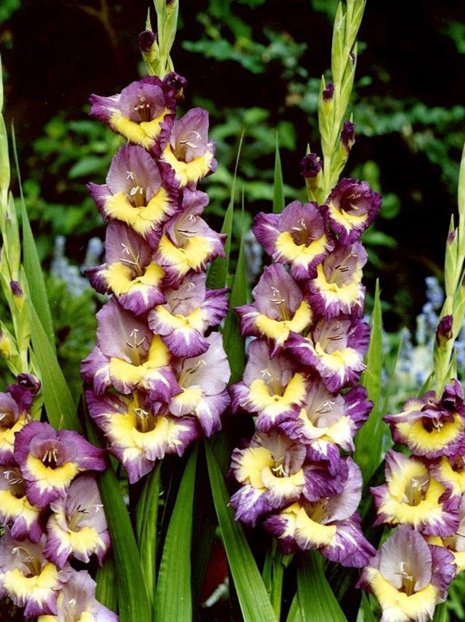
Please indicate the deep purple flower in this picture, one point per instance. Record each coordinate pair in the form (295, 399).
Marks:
(330, 525)
(279, 308)
(28, 578)
(335, 349)
(49, 460)
(411, 496)
(296, 236)
(431, 427)
(271, 387)
(135, 193)
(16, 511)
(129, 271)
(128, 356)
(348, 135)
(270, 471)
(203, 381)
(140, 431)
(186, 314)
(188, 243)
(350, 209)
(337, 287)
(408, 576)
(143, 112)
(77, 526)
(189, 152)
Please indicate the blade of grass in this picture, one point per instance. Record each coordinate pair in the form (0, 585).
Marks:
(133, 600)
(59, 404)
(251, 591)
(317, 601)
(173, 598)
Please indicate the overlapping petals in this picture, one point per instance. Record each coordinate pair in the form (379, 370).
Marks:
(135, 193)
(129, 271)
(189, 153)
(279, 308)
(430, 427)
(49, 460)
(411, 496)
(297, 236)
(140, 431)
(408, 576)
(350, 209)
(76, 602)
(143, 112)
(28, 578)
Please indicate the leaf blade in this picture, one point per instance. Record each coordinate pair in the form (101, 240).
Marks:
(316, 599)
(253, 597)
(173, 599)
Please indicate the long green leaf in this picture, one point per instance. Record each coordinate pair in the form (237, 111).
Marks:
(33, 269)
(173, 598)
(234, 343)
(316, 599)
(441, 614)
(365, 614)
(146, 527)
(295, 612)
(251, 591)
(106, 578)
(278, 184)
(219, 269)
(133, 600)
(369, 441)
(61, 410)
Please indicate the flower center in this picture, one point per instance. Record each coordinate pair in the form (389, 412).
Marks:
(280, 302)
(33, 564)
(416, 489)
(300, 234)
(408, 580)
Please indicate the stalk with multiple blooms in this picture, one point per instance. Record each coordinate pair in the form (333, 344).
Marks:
(157, 376)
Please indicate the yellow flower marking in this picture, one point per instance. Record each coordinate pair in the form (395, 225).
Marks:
(47, 477)
(7, 435)
(338, 360)
(455, 477)
(37, 587)
(346, 219)
(434, 439)
(120, 277)
(299, 253)
(191, 256)
(158, 356)
(252, 463)
(143, 133)
(311, 531)
(13, 507)
(141, 219)
(279, 330)
(346, 294)
(262, 398)
(193, 321)
(399, 606)
(186, 172)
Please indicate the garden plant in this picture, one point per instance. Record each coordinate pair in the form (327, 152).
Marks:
(239, 438)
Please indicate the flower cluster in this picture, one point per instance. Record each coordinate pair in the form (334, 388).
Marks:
(301, 376)
(424, 496)
(51, 511)
(157, 378)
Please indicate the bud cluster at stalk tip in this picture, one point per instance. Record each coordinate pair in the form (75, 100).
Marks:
(301, 377)
(158, 374)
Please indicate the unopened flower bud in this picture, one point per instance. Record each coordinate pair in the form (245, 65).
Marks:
(28, 382)
(348, 135)
(6, 346)
(16, 289)
(444, 330)
(148, 45)
(310, 168)
(328, 92)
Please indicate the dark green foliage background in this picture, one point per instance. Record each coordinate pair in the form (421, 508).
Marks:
(255, 64)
